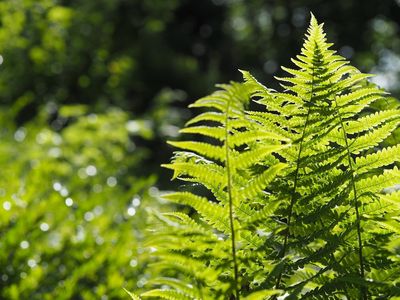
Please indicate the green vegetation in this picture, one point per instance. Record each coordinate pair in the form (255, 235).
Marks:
(91, 90)
(297, 198)
(70, 217)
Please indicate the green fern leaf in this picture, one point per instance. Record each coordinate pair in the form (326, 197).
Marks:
(300, 198)
(166, 294)
(132, 295)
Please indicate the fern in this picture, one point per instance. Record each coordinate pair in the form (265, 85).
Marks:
(223, 165)
(297, 199)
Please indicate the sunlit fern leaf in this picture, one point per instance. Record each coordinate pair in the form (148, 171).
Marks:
(204, 149)
(177, 284)
(383, 157)
(325, 109)
(224, 166)
(166, 294)
(213, 213)
(299, 199)
(132, 295)
(259, 183)
(264, 294)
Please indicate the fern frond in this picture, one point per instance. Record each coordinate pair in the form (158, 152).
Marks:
(260, 182)
(209, 116)
(371, 121)
(381, 158)
(166, 294)
(331, 130)
(225, 167)
(299, 199)
(378, 182)
(265, 294)
(132, 295)
(251, 157)
(213, 213)
(178, 285)
(246, 137)
(217, 133)
(204, 149)
(373, 138)
(209, 174)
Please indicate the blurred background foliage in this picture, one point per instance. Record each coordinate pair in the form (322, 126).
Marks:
(89, 92)
(70, 200)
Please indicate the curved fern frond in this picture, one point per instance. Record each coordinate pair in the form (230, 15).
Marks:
(214, 214)
(166, 294)
(384, 157)
(224, 165)
(132, 295)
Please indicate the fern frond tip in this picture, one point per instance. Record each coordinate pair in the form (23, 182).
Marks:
(132, 295)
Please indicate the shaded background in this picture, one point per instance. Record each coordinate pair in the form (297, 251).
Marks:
(90, 90)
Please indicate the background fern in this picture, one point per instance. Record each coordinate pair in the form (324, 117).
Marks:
(295, 200)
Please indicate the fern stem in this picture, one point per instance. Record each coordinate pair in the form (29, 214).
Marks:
(363, 289)
(230, 198)
(292, 199)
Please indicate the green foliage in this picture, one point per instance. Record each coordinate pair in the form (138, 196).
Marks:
(296, 201)
(69, 206)
(97, 52)
(118, 52)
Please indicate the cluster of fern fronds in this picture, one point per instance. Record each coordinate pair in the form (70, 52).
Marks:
(297, 201)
